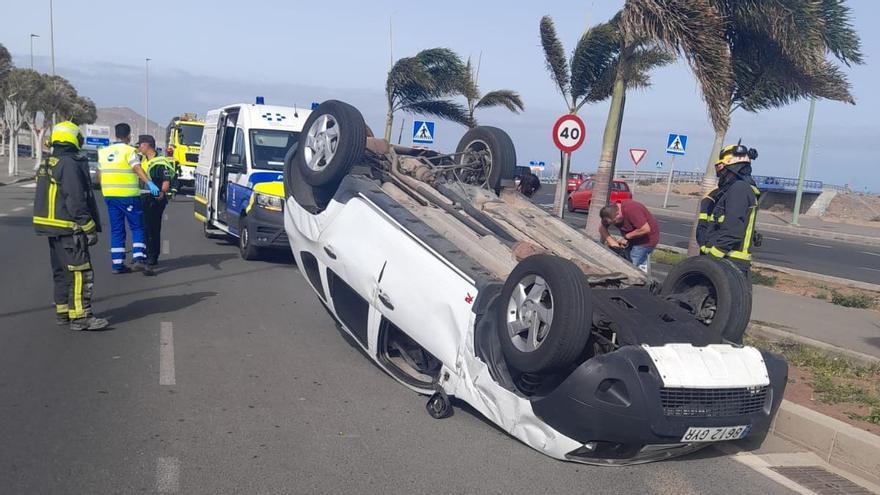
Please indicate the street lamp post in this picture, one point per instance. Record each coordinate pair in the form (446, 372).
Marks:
(52, 35)
(32, 49)
(146, 93)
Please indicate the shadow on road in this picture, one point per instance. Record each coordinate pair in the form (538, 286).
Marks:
(154, 305)
(192, 260)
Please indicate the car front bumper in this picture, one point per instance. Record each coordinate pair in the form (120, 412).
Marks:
(616, 406)
(267, 228)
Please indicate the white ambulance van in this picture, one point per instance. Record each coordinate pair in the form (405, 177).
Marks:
(239, 187)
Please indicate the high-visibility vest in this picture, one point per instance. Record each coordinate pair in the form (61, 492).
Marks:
(117, 177)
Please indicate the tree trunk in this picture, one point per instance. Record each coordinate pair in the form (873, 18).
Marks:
(709, 183)
(13, 154)
(560, 186)
(389, 123)
(2, 140)
(605, 171)
(39, 146)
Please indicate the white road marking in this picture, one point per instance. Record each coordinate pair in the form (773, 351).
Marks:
(165, 216)
(869, 252)
(772, 238)
(19, 208)
(166, 354)
(166, 247)
(675, 235)
(167, 474)
(869, 268)
(819, 245)
(4, 215)
(29, 186)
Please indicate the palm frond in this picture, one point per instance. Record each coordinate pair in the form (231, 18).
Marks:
(595, 52)
(445, 109)
(445, 68)
(408, 81)
(695, 29)
(470, 90)
(554, 54)
(839, 36)
(643, 60)
(506, 98)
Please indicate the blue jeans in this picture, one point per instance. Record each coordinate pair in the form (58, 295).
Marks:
(639, 256)
(120, 211)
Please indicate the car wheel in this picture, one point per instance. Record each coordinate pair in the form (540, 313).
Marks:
(546, 314)
(715, 292)
(245, 246)
(570, 205)
(333, 141)
(489, 155)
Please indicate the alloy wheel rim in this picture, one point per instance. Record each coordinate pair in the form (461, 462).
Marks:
(321, 143)
(530, 313)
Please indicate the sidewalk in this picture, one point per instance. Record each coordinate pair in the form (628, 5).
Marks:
(25, 169)
(686, 206)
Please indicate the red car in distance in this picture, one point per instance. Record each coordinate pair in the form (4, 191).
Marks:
(575, 179)
(580, 198)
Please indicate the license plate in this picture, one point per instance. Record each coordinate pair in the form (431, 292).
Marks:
(715, 434)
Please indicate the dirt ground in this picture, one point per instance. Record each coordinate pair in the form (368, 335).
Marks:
(660, 187)
(801, 392)
(858, 209)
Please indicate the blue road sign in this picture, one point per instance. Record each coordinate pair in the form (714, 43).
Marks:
(676, 144)
(423, 132)
(97, 141)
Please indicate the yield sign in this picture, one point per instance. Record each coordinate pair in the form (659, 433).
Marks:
(637, 154)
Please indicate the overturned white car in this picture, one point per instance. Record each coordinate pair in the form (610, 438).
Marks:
(459, 287)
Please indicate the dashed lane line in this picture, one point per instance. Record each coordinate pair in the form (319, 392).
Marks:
(167, 475)
(869, 252)
(19, 208)
(166, 354)
(869, 268)
(819, 245)
(772, 238)
(31, 185)
(166, 247)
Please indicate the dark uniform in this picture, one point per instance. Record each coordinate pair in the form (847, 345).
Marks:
(159, 169)
(726, 226)
(65, 211)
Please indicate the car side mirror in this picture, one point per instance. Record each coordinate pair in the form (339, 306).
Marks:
(233, 164)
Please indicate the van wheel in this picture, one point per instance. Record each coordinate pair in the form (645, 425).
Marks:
(333, 141)
(245, 247)
(545, 314)
(487, 156)
(715, 292)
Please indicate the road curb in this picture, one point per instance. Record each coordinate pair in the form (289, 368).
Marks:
(16, 181)
(792, 271)
(842, 445)
(788, 229)
(771, 333)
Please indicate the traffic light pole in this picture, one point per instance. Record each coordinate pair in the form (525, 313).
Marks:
(804, 154)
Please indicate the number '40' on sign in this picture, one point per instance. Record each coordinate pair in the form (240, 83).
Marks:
(568, 133)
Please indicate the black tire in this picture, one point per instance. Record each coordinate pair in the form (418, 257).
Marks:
(569, 299)
(350, 143)
(700, 282)
(246, 248)
(570, 205)
(501, 150)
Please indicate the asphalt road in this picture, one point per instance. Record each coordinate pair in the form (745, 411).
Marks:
(828, 257)
(225, 376)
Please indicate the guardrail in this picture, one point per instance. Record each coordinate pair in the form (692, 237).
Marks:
(764, 182)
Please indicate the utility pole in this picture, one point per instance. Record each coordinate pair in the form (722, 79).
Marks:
(146, 94)
(32, 49)
(52, 36)
(806, 151)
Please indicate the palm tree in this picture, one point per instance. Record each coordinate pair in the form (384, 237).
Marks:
(692, 28)
(594, 65)
(423, 83)
(779, 56)
(506, 98)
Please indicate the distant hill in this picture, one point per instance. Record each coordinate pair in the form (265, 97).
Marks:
(111, 116)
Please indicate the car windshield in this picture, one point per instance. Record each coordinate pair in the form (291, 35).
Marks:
(269, 146)
(574, 176)
(190, 135)
(92, 155)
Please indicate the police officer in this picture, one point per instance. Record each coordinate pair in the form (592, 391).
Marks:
(161, 172)
(727, 215)
(120, 167)
(65, 211)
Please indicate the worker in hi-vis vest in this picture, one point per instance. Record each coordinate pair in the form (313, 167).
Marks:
(119, 166)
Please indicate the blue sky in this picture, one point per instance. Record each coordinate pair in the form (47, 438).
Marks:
(207, 54)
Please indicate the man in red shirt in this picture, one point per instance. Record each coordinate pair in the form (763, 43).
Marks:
(638, 227)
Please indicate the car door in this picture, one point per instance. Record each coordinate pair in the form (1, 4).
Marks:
(583, 195)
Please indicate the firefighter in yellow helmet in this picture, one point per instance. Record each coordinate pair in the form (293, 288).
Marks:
(727, 214)
(65, 211)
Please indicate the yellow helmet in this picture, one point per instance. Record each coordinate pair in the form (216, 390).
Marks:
(67, 132)
(736, 153)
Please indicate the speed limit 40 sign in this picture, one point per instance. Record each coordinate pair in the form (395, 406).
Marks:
(569, 132)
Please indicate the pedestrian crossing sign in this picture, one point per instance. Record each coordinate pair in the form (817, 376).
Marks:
(676, 144)
(423, 132)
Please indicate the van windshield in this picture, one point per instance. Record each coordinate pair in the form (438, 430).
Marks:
(190, 135)
(269, 146)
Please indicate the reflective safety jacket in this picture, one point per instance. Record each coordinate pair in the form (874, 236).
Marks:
(727, 221)
(64, 202)
(118, 180)
(158, 169)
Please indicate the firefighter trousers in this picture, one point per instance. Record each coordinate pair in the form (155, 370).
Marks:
(73, 275)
